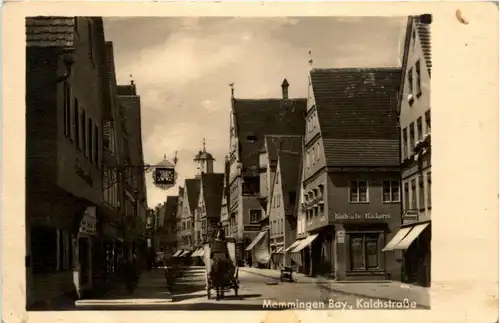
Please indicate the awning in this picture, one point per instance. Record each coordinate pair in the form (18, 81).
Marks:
(278, 250)
(293, 245)
(256, 240)
(397, 238)
(414, 233)
(195, 253)
(201, 253)
(177, 253)
(183, 254)
(304, 243)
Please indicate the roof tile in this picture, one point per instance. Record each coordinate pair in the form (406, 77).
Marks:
(192, 186)
(213, 186)
(357, 112)
(259, 117)
(50, 31)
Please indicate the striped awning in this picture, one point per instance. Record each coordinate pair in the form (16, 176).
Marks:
(184, 253)
(177, 253)
(293, 245)
(279, 250)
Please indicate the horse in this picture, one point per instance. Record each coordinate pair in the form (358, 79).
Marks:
(220, 274)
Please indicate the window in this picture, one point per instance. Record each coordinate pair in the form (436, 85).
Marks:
(364, 251)
(84, 132)
(410, 81)
(96, 145)
(405, 143)
(413, 194)
(420, 135)
(412, 136)
(429, 195)
(67, 109)
(90, 141)
(76, 123)
(418, 80)
(308, 160)
(421, 193)
(313, 155)
(317, 152)
(428, 121)
(414, 37)
(390, 192)
(254, 216)
(406, 196)
(358, 192)
(281, 226)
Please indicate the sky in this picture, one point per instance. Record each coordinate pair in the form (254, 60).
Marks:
(182, 67)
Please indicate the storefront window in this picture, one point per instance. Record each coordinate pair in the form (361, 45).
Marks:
(357, 262)
(364, 251)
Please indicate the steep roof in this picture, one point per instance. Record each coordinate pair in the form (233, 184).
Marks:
(422, 24)
(170, 209)
(274, 143)
(192, 186)
(50, 31)
(290, 164)
(256, 118)
(127, 90)
(213, 185)
(357, 112)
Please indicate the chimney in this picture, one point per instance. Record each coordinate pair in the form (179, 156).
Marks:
(284, 88)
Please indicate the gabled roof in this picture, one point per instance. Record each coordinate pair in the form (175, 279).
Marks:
(50, 31)
(357, 112)
(170, 209)
(280, 142)
(290, 171)
(213, 185)
(422, 23)
(192, 186)
(127, 90)
(256, 118)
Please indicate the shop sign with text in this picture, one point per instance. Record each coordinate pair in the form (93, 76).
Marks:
(361, 216)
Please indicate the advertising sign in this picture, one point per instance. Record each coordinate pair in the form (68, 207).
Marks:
(361, 216)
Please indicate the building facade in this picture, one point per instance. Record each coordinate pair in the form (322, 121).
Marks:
(414, 238)
(251, 120)
(224, 211)
(185, 231)
(209, 204)
(283, 209)
(351, 173)
(135, 200)
(65, 88)
(167, 231)
(112, 210)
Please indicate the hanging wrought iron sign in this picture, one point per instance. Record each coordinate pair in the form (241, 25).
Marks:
(164, 174)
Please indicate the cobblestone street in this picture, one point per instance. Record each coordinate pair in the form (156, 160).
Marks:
(257, 292)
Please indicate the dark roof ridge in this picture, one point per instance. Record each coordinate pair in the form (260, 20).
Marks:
(354, 69)
(269, 99)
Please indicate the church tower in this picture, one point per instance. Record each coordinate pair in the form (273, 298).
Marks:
(204, 161)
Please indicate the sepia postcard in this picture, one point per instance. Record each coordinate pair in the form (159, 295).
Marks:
(270, 159)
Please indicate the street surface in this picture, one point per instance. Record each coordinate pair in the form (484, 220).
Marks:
(190, 294)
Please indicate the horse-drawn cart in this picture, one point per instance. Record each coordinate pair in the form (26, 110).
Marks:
(221, 272)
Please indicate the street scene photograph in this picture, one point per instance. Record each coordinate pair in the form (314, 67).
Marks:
(228, 163)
